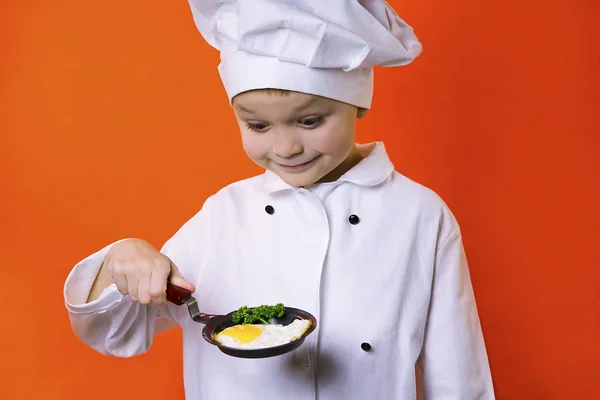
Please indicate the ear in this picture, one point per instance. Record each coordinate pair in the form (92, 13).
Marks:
(362, 112)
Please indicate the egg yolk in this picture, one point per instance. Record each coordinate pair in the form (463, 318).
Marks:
(243, 333)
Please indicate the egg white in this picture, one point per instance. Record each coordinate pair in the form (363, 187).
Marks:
(258, 336)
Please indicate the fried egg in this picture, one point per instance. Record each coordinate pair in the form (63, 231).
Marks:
(259, 336)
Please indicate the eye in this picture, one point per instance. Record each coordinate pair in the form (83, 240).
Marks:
(257, 127)
(311, 122)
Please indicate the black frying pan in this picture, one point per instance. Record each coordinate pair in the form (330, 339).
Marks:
(216, 323)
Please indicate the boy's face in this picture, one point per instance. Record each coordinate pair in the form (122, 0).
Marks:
(302, 138)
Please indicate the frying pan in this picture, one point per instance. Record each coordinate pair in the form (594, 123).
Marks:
(216, 323)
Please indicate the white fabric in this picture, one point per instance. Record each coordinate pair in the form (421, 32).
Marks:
(398, 280)
(327, 48)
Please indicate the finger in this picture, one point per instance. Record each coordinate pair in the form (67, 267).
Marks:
(176, 278)
(158, 285)
(121, 283)
(132, 286)
(143, 294)
(161, 300)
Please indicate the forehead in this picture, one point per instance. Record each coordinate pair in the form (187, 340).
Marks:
(260, 100)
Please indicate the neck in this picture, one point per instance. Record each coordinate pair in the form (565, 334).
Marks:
(353, 158)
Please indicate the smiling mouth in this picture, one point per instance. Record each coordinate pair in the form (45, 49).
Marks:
(297, 167)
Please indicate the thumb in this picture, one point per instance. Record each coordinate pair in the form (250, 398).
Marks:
(177, 279)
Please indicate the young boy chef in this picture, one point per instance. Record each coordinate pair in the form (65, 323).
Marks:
(330, 227)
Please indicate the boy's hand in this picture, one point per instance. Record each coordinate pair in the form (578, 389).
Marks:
(140, 271)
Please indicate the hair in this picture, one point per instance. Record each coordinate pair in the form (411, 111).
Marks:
(275, 92)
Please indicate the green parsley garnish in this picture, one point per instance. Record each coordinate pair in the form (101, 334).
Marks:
(254, 315)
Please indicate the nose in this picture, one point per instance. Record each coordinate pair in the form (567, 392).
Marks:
(287, 144)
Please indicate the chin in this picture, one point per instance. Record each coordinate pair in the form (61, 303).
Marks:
(298, 181)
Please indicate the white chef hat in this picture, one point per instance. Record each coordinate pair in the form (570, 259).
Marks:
(321, 47)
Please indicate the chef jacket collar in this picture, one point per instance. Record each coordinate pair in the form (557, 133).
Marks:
(373, 169)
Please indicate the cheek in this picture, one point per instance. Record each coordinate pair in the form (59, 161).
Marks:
(255, 146)
(334, 139)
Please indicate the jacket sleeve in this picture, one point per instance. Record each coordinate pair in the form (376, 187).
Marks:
(454, 359)
(113, 324)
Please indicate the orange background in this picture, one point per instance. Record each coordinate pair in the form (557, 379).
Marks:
(114, 124)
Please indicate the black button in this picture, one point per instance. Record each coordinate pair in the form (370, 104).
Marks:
(365, 346)
(354, 219)
(270, 210)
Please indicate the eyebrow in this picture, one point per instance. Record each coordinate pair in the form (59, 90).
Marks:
(313, 101)
(244, 109)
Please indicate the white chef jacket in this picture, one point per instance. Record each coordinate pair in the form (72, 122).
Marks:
(396, 278)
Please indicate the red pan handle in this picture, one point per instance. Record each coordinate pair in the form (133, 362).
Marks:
(177, 295)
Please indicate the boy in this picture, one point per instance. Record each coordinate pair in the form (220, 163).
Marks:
(330, 227)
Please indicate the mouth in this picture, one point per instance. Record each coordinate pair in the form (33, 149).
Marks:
(297, 167)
